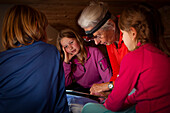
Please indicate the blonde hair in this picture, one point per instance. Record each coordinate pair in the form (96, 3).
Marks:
(93, 14)
(69, 33)
(23, 25)
(148, 24)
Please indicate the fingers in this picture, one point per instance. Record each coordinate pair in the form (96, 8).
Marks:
(67, 56)
(64, 50)
(92, 89)
(95, 89)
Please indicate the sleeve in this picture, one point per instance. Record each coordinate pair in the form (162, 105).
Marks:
(67, 72)
(61, 105)
(103, 66)
(124, 84)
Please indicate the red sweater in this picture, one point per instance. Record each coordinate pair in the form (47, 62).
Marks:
(147, 70)
(116, 54)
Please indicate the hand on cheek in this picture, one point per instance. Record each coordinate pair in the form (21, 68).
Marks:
(67, 56)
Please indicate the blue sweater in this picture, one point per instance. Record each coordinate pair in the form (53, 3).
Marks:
(32, 80)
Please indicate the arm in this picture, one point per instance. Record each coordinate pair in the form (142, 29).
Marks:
(61, 105)
(67, 72)
(96, 88)
(102, 87)
(105, 73)
(67, 67)
(123, 85)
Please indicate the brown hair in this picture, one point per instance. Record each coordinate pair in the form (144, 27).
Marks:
(22, 25)
(69, 33)
(147, 22)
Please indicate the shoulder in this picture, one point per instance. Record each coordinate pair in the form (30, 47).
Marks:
(46, 48)
(133, 58)
(94, 52)
(45, 45)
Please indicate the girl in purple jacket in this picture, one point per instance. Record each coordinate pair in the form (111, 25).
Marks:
(83, 65)
(145, 68)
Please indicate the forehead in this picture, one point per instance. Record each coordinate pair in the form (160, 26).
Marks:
(66, 40)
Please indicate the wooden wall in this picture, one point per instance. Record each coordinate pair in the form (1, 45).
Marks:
(62, 13)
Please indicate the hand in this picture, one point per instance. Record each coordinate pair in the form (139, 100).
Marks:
(67, 56)
(97, 88)
(103, 95)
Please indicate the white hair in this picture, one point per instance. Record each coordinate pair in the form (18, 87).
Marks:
(93, 14)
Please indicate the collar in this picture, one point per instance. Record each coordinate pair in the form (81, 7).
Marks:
(88, 56)
(117, 45)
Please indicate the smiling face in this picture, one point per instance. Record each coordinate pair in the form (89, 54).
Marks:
(71, 45)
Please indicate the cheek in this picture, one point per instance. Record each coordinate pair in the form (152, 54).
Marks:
(76, 45)
(125, 40)
(127, 43)
(67, 50)
(109, 37)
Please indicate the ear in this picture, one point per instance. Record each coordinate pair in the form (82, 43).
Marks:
(133, 33)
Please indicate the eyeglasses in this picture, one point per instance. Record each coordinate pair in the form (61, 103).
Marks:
(88, 39)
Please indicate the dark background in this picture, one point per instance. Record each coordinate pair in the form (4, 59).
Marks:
(62, 13)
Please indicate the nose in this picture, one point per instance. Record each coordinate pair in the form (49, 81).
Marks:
(70, 47)
(97, 41)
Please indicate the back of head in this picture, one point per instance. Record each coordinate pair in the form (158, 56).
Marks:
(147, 22)
(23, 25)
(92, 14)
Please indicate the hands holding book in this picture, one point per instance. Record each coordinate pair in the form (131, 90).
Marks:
(101, 89)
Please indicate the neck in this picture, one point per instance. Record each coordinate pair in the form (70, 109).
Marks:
(79, 56)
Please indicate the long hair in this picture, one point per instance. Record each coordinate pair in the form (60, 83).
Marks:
(69, 33)
(148, 24)
(23, 25)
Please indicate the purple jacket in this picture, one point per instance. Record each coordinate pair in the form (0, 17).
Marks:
(147, 70)
(95, 70)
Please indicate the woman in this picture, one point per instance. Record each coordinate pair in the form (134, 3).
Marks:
(31, 75)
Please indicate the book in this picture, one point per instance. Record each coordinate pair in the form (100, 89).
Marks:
(87, 95)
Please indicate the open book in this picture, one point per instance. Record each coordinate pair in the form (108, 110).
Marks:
(77, 93)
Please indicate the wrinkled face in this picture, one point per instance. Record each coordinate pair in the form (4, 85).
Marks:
(129, 40)
(70, 45)
(105, 37)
